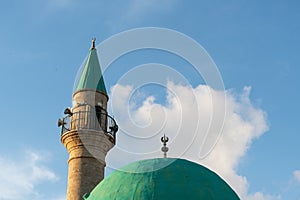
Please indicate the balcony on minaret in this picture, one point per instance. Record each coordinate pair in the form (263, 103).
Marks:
(89, 117)
(94, 118)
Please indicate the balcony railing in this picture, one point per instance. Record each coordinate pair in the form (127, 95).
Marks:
(91, 120)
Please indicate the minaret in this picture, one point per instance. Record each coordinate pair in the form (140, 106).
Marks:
(91, 132)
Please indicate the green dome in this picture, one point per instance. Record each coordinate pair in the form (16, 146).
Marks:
(162, 178)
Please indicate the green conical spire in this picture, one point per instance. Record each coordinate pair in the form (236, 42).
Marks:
(91, 76)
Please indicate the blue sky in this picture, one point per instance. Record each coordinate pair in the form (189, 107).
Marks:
(43, 44)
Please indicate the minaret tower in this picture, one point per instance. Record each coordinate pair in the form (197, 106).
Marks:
(88, 132)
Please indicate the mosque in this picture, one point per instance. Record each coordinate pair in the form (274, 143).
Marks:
(88, 132)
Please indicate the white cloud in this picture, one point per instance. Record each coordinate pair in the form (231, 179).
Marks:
(297, 175)
(261, 196)
(186, 119)
(19, 178)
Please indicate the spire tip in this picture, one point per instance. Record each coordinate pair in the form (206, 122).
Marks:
(93, 43)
